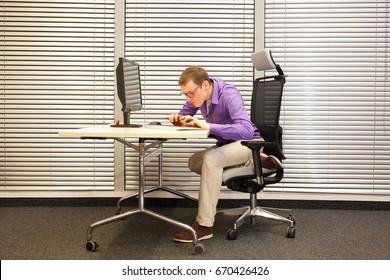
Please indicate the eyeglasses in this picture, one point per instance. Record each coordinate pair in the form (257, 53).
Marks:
(191, 93)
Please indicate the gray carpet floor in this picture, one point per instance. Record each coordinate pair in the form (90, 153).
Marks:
(59, 232)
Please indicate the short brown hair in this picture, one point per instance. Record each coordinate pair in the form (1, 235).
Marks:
(197, 74)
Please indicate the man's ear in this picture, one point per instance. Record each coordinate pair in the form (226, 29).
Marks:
(206, 84)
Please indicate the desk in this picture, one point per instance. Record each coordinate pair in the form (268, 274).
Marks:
(157, 135)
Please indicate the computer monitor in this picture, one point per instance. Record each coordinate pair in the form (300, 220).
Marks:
(129, 89)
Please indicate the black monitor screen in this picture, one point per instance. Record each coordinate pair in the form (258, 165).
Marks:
(129, 88)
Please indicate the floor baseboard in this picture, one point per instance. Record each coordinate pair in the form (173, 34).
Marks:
(173, 202)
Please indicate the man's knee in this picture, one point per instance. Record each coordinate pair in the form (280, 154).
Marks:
(195, 164)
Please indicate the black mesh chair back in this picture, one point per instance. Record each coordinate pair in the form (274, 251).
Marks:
(265, 111)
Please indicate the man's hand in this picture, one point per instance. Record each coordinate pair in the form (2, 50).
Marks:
(191, 121)
(175, 120)
(187, 120)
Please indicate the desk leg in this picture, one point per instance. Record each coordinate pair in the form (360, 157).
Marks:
(141, 176)
(141, 170)
(160, 166)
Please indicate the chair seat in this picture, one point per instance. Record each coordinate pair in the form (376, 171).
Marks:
(243, 172)
(243, 179)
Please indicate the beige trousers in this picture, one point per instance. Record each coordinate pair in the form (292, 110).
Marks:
(210, 163)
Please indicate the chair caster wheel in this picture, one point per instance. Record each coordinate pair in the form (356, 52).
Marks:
(290, 232)
(91, 245)
(232, 234)
(198, 249)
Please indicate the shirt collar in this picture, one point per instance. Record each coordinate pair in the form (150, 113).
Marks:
(215, 97)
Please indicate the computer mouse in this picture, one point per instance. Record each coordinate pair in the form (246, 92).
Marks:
(155, 123)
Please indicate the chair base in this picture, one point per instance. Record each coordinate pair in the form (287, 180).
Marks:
(246, 213)
(250, 213)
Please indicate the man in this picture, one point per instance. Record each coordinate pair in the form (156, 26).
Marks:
(225, 116)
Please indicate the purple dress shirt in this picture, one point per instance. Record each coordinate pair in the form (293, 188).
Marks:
(228, 118)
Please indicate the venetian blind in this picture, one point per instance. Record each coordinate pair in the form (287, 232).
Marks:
(335, 111)
(165, 37)
(56, 73)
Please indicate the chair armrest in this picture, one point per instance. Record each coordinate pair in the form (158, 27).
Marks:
(257, 144)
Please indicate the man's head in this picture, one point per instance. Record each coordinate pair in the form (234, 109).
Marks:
(195, 74)
(196, 85)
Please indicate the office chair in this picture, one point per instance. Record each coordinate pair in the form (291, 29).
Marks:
(265, 112)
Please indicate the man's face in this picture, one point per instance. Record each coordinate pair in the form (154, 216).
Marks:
(194, 93)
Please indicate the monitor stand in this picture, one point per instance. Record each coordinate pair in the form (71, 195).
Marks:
(126, 125)
(126, 118)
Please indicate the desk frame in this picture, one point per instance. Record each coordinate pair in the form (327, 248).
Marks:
(146, 152)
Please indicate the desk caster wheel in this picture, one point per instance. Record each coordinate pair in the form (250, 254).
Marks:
(198, 249)
(291, 218)
(231, 234)
(290, 232)
(91, 245)
(120, 212)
